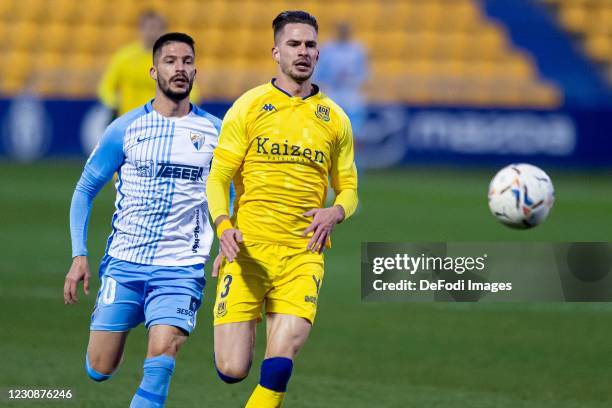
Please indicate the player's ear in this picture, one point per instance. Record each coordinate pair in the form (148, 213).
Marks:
(153, 73)
(276, 54)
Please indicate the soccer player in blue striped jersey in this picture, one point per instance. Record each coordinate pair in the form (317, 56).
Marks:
(153, 267)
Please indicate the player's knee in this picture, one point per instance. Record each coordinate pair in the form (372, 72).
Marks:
(231, 372)
(169, 346)
(98, 371)
(275, 373)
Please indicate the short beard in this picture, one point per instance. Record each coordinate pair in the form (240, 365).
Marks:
(175, 96)
(297, 77)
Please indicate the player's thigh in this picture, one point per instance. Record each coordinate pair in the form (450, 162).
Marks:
(234, 345)
(286, 334)
(105, 350)
(296, 291)
(173, 302)
(164, 339)
(119, 305)
(242, 286)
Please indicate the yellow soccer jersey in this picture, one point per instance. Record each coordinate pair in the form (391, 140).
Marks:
(281, 151)
(126, 83)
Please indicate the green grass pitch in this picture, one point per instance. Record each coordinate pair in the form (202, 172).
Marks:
(359, 355)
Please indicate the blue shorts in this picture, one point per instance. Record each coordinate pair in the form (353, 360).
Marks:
(133, 293)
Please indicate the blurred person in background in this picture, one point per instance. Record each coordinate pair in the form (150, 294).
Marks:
(126, 83)
(342, 71)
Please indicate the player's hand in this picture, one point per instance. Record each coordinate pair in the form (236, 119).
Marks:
(229, 243)
(323, 222)
(79, 271)
(217, 264)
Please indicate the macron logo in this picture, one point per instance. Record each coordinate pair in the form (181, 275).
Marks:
(268, 107)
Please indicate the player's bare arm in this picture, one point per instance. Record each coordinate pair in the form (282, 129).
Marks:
(323, 222)
(79, 271)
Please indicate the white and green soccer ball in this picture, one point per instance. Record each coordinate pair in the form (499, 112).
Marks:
(521, 196)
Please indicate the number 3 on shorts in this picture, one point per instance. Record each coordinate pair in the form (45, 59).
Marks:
(227, 281)
(108, 290)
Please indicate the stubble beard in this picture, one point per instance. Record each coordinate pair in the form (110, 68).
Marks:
(175, 96)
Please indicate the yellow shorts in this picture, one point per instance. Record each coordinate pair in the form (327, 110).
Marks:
(287, 279)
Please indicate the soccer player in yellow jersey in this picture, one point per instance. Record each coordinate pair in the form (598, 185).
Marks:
(126, 84)
(280, 143)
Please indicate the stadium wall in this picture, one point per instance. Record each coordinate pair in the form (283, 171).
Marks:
(33, 129)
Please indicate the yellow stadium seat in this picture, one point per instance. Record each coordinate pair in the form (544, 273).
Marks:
(491, 36)
(17, 66)
(599, 46)
(574, 17)
(212, 41)
(91, 12)
(48, 61)
(388, 45)
(23, 35)
(366, 15)
(462, 15)
(87, 38)
(394, 16)
(418, 67)
(225, 16)
(259, 46)
(84, 62)
(28, 10)
(60, 11)
(6, 9)
(418, 44)
(56, 37)
(521, 67)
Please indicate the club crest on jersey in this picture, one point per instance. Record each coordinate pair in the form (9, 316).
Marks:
(144, 168)
(322, 113)
(221, 309)
(198, 139)
(268, 107)
(193, 305)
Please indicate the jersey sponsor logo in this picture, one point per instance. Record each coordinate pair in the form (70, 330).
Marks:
(268, 107)
(144, 168)
(313, 299)
(310, 299)
(287, 152)
(193, 305)
(180, 171)
(185, 312)
(197, 139)
(196, 232)
(322, 113)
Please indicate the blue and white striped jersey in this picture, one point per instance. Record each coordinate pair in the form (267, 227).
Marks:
(161, 215)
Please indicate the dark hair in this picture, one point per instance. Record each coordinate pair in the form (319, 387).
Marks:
(293, 16)
(172, 37)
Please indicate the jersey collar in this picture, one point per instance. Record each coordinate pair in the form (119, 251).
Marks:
(314, 91)
(149, 107)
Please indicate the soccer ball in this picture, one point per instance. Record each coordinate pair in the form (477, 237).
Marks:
(521, 196)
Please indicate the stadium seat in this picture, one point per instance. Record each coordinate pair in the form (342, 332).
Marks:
(59, 11)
